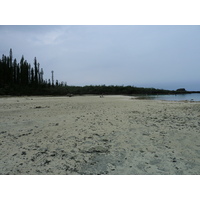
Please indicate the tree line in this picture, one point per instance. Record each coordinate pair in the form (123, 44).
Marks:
(22, 79)
(13, 73)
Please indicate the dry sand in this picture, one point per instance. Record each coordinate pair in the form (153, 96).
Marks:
(92, 135)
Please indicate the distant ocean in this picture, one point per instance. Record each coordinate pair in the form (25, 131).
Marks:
(178, 97)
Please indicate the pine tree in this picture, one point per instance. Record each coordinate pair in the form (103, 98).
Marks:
(22, 71)
(41, 75)
(11, 57)
(29, 73)
(36, 71)
(11, 70)
(39, 81)
(18, 75)
(32, 76)
(52, 78)
(15, 71)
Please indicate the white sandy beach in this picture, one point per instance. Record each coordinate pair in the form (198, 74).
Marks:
(92, 135)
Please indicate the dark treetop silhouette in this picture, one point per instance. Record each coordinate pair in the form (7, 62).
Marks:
(22, 79)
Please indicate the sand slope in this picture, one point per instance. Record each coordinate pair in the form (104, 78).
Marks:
(92, 135)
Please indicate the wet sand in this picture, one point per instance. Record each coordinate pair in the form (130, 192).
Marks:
(92, 135)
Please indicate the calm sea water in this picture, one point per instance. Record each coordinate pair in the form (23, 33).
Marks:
(178, 97)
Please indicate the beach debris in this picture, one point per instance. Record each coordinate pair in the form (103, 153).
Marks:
(147, 134)
(2, 132)
(96, 149)
(38, 107)
(46, 162)
(53, 124)
(174, 160)
(23, 153)
(53, 155)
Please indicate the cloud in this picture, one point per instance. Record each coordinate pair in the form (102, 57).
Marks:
(134, 55)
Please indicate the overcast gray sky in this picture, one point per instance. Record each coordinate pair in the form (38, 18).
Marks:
(165, 57)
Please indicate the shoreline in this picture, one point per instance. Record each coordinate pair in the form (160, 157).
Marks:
(133, 97)
(92, 135)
